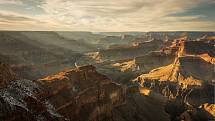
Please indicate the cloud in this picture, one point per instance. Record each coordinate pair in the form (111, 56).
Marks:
(13, 17)
(120, 15)
(15, 21)
(21, 2)
(17, 2)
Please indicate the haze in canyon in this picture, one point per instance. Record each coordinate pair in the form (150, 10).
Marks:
(98, 60)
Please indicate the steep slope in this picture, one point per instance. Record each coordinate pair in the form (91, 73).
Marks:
(193, 64)
(13, 45)
(141, 108)
(153, 60)
(83, 94)
(185, 71)
(125, 65)
(188, 82)
(32, 59)
(6, 75)
(208, 58)
(143, 64)
(210, 108)
(53, 38)
(132, 51)
(123, 70)
(127, 69)
(22, 100)
(197, 48)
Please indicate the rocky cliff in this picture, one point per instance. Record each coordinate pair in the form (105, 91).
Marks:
(189, 70)
(22, 100)
(6, 75)
(188, 82)
(83, 94)
(193, 64)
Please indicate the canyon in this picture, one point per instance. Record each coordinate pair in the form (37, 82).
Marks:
(84, 76)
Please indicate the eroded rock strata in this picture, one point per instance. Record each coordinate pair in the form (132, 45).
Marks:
(83, 94)
(23, 100)
(188, 82)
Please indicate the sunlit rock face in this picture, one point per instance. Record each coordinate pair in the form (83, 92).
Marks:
(182, 46)
(193, 64)
(22, 100)
(188, 82)
(210, 108)
(187, 70)
(175, 77)
(143, 64)
(153, 60)
(83, 94)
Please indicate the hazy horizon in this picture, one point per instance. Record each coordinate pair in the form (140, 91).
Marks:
(100, 31)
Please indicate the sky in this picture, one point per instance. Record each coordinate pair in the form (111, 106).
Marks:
(107, 15)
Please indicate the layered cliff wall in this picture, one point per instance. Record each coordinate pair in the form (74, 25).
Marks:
(83, 94)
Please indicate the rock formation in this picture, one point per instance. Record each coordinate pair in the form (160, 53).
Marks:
(83, 94)
(172, 79)
(187, 82)
(6, 75)
(133, 51)
(22, 100)
(190, 67)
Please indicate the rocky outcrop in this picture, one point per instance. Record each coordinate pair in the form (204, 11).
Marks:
(190, 67)
(153, 60)
(183, 47)
(6, 75)
(186, 71)
(178, 77)
(182, 112)
(83, 94)
(126, 65)
(187, 82)
(208, 58)
(22, 100)
(144, 64)
(185, 103)
(210, 108)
